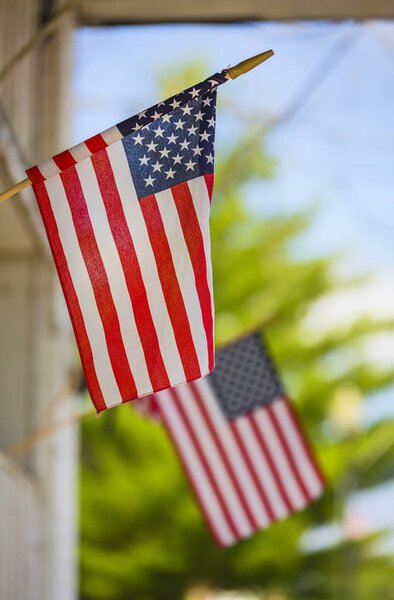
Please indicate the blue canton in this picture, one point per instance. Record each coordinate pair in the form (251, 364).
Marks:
(176, 146)
(244, 378)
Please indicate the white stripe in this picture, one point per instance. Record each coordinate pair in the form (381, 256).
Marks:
(215, 461)
(80, 151)
(111, 135)
(184, 274)
(267, 431)
(146, 259)
(84, 290)
(49, 168)
(199, 192)
(232, 450)
(306, 468)
(116, 277)
(196, 471)
(261, 466)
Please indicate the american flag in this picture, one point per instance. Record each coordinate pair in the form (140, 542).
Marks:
(127, 218)
(240, 442)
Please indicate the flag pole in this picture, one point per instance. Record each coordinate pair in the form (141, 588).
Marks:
(248, 64)
(15, 189)
(231, 73)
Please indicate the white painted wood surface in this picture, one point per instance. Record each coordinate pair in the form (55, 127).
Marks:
(106, 12)
(37, 490)
(23, 544)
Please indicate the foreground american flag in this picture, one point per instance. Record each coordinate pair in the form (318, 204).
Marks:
(127, 218)
(240, 442)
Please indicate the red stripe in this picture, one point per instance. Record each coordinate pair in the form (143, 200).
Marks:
(195, 245)
(209, 183)
(152, 406)
(303, 440)
(70, 295)
(225, 458)
(207, 467)
(99, 280)
(132, 272)
(189, 474)
(289, 455)
(261, 491)
(35, 175)
(96, 143)
(171, 290)
(64, 160)
(267, 454)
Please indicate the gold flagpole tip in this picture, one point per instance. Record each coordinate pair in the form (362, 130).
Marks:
(248, 64)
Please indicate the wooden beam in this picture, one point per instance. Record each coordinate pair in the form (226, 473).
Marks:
(103, 12)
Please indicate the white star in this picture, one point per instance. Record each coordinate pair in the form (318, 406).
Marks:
(199, 116)
(211, 122)
(158, 132)
(166, 118)
(190, 165)
(186, 109)
(172, 138)
(144, 160)
(175, 104)
(179, 124)
(136, 127)
(207, 101)
(213, 82)
(204, 136)
(197, 150)
(141, 115)
(157, 166)
(151, 146)
(209, 158)
(160, 104)
(149, 181)
(165, 152)
(138, 139)
(170, 174)
(177, 159)
(194, 92)
(185, 145)
(192, 130)
(156, 115)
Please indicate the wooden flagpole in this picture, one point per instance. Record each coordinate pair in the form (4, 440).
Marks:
(231, 73)
(15, 189)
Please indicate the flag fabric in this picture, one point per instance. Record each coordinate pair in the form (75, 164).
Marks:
(127, 217)
(240, 442)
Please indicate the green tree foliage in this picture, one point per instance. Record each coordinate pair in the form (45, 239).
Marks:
(142, 534)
